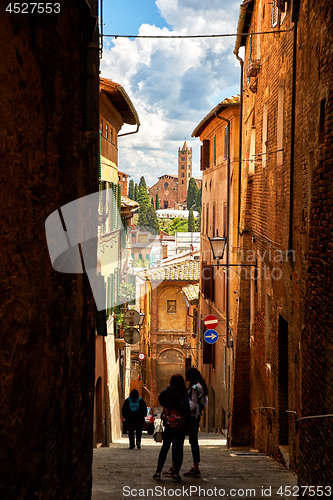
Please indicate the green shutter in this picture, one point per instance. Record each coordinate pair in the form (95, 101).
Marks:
(131, 279)
(108, 297)
(112, 292)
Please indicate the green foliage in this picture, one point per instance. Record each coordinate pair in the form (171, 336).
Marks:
(131, 189)
(198, 202)
(192, 193)
(157, 202)
(142, 183)
(136, 192)
(147, 216)
(152, 221)
(127, 291)
(152, 201)
(140, 263)
(143, 200)
(170, 226)
(191, 222)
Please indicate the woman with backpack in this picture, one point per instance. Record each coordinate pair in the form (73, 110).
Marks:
(134, 411)
(176, 418)
(198, 399)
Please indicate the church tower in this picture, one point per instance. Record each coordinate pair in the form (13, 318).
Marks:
(184, 172)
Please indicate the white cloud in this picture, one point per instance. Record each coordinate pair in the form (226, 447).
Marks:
(174, 83)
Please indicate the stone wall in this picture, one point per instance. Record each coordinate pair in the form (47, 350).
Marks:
(314, 141)
(49, 150)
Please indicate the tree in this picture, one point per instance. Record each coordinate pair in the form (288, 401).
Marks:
(142, 183)
(198, 201)
(136, 192)
(191, 222)
(192, 192)
(143, 200)
(152, 201)
(152, 220)
(131, 189)
(157, 202)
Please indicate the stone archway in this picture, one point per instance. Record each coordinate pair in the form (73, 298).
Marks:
(170, 361)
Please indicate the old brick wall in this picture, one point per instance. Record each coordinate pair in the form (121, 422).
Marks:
(267, 102)
(49, 158)
(291, 302)
(314, 142)
(167, 190)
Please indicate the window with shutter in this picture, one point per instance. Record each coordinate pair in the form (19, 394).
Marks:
(207, 354)
(207, 280)
(214, 150)
(275, 14)
(207, 219)
(204, 163)
(226, 152)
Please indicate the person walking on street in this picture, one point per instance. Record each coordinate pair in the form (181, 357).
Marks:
(176, 419)
(134, 411)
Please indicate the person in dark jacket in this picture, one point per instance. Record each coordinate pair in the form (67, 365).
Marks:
(134, 411)
(175, 401)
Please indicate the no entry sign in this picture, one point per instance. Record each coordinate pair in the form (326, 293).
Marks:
(211, 321)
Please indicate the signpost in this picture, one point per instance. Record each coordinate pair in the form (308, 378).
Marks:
(141, 356)
(131, 335)
(211, 336)
(211, 321)
(131, 317)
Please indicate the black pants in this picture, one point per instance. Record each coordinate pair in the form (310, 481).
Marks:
(138, 431)
(177, 436)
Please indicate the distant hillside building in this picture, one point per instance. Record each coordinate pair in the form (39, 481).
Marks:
(172, 189)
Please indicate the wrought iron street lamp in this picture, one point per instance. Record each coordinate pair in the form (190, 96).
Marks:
(218, 244)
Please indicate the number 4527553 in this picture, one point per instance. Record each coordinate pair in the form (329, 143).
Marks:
(31, 8)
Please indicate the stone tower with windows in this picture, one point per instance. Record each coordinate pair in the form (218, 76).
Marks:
(184, 171)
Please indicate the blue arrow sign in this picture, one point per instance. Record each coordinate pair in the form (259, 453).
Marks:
(211, 336)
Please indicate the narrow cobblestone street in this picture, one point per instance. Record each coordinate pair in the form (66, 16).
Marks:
(122, 473)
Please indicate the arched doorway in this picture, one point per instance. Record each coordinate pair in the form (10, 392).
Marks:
(170, 361)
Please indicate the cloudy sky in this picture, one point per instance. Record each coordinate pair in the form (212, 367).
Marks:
(173, 84)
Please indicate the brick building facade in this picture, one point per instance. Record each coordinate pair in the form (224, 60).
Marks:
(172, 189)
(169, 320)
(115, 211)
(219, 133)
(285, 228)
(49, 142)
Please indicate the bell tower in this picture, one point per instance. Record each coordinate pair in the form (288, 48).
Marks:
(184, 171)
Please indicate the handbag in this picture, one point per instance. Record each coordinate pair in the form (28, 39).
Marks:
(158, 433)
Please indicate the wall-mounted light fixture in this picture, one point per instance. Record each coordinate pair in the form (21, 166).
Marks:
(218, 244)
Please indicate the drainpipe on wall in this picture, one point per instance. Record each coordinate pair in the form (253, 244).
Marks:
(227, 255)
(240, 145)
(292, 143)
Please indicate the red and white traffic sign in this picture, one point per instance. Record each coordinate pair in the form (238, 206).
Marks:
(141, 356)
(211, 321)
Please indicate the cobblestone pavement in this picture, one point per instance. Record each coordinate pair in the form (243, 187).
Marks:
(232, 474)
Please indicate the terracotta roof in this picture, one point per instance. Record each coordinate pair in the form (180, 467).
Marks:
(187, 270)
(229, 101)
(119, 98)
(191, 292)
(129, 204)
